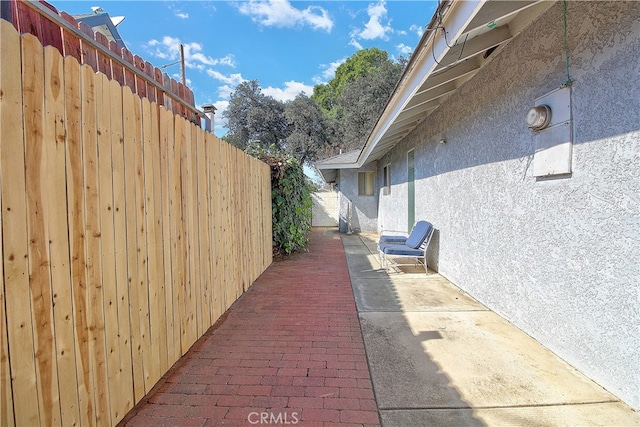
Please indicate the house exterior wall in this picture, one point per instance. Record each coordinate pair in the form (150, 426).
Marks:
(560, 258)
(324, 211)
(364, 209)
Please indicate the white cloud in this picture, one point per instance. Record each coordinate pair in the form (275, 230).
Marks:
(417, 29)
(225, 91)
(404, 49)
(220, 123)
(329, 71)
(182, 15)
(169, 49)
(355, 44)
(290, 91)
(231, 79)
(280, 13)
(378, 26)
(228, 60)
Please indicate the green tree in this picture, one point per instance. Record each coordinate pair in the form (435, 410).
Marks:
(357, 65)
(308, 131)
(354, 99)
(254, 118)
(360, 104)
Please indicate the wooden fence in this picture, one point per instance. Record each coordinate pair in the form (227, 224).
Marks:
(71, 38)
(126, 233)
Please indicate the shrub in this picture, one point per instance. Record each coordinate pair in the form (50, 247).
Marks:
(291, 200)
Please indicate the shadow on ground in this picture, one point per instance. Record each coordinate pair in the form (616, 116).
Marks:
(439, 357)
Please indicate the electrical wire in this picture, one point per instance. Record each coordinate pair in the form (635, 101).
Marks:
(446, 41)
(566, 48)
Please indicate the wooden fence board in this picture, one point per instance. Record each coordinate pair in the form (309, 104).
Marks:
(108, 246)
(177, 233)
(153, 227)
(235, 217)
(6, 405)
(190, 207)
(141, 248)
(223, 183)
(28, 20)
(117, 70)
(189, 308)
(214, 202)
(103, 61)
(89, 52)
(91, 95)
(22, 405)
(166, 140)
(77, 241)
(71, 43)
(130, 138)
(39, 260)
(124, 374)
(54, 197)
(203, 232)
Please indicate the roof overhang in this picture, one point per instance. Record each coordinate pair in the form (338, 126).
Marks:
(328, 168)
(462, 36)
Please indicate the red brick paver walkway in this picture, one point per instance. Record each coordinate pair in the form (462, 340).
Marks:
(290, 352)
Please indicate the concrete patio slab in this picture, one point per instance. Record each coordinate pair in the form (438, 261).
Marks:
(466, 359)
(598, 414)
(440, 358)
(362, 263)
(415, 293)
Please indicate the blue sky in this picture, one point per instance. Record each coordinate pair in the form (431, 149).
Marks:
(287, 46)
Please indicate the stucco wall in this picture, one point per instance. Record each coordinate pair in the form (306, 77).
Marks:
(324, 211)
(559, 258)
(364, 213)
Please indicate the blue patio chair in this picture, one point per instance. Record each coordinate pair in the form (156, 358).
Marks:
(394, 238)
(415, 246)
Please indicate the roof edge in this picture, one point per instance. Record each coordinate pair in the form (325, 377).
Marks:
(454, 15)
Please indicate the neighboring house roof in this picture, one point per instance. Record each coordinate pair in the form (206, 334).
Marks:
(101, 22)
(462, 36)
(328, 167)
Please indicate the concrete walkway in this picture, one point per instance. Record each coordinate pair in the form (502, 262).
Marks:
(288, 352)
(440, 358)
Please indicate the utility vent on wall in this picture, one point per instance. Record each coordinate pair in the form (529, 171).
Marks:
(554, 143)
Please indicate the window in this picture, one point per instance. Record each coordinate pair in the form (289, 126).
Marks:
(365, 183)
(386, 180)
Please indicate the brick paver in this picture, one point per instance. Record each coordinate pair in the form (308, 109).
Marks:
(289, 352)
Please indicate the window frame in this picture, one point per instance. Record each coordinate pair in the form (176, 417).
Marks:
(386, 179)
(369, 184)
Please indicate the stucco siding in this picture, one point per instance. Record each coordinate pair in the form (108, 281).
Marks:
(356, 213)
(560, 258)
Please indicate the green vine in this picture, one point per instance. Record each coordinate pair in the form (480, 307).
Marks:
(290, 198)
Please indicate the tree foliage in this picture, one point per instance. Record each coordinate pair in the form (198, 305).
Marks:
(309, 133)
(339, 115)
(358, 65)
(253, 117)
(361, 102)
(290, 198)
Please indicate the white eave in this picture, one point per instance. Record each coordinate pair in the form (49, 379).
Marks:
(476, 30)
(328, 167)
